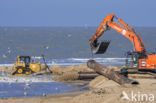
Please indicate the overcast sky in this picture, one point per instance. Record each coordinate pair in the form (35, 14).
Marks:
(75, 12)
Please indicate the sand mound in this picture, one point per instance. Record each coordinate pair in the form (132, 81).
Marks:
(115, 68)
(6, 69)
(69, 73)
(102, 82)
(57, 70)
(107, 91)
(72, 75)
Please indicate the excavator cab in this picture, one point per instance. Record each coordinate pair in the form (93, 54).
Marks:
(99, 47)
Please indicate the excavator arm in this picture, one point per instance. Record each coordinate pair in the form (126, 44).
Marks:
(120, 27)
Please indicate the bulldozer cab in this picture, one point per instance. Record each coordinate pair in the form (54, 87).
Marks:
(25, 60)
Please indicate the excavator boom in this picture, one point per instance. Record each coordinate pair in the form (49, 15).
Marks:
(120, 27)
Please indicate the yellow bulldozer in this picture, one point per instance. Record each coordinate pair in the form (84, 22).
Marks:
(25, 65)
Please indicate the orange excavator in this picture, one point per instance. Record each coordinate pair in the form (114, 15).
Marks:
(138, 58)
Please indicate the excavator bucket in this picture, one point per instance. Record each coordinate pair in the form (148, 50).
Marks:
(100, 47)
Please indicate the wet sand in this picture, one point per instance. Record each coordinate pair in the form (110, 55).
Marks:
(62, 98)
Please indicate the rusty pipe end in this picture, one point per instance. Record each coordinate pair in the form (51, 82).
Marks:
(134, 82)
(90, 63)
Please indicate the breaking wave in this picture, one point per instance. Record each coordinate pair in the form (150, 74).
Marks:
(77, 61)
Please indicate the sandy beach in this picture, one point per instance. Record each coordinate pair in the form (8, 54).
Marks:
(102, 90)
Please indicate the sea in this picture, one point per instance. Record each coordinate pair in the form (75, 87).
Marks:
(67, 45)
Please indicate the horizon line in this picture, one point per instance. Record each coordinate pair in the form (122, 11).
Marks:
(66, 26)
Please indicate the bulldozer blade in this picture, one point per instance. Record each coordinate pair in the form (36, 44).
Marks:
(100, 47)
(13, 73)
